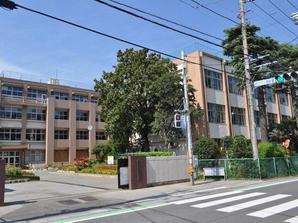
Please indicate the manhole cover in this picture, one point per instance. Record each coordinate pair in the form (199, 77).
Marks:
(88, 198)
(69, 202)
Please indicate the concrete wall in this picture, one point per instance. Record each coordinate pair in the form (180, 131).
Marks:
(166, 169)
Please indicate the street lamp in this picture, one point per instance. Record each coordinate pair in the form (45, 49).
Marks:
(90, 128)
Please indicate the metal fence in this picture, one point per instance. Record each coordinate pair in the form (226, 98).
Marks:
(253, 169)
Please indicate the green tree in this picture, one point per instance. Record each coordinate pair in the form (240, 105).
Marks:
(258, 46)
(139, 97)
(206, 148)
(269, 149)
(239, 147)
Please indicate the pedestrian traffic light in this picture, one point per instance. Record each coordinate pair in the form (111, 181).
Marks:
(282, 78)
(177, 121)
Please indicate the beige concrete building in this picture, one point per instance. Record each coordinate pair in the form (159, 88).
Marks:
(47, 123)
(225, 106)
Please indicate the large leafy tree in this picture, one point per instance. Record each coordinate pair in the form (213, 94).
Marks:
(258, 46)
(139, 97)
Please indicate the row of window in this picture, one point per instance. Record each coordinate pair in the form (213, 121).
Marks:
(216, 114)
(10, 134)
(14, 91)
(214, 80)
(9, 112)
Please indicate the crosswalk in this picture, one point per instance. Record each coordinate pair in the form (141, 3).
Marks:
(259, 198)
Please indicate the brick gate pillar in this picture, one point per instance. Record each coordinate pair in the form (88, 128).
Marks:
(137, 172)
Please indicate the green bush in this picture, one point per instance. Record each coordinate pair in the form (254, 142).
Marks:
(102, 151)
(206, 148)
(150, 154)
(269, 149)
(12, 171)
(239, 147)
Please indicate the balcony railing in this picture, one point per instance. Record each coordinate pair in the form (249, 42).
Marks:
(24, 99)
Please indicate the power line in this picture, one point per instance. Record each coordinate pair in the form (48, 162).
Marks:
(214, 12)
(166, 20)
(293, 40)
(279, 9)
(157, 23)
(294, 6)
(268, 14)
(15, 6)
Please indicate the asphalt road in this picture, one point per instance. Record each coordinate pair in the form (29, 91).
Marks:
(271, 204)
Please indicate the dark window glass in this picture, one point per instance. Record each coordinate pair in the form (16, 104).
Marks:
(10, 112)
(61, 134)
(234, 85)
(60, 95)
(61, 114)
(213, 79)
(80, 98)
(100, 136)
(38, 114)
(10, 134)
(238, 116)
(36, 134)
(216, 113)
(82, 116)
(83, 134)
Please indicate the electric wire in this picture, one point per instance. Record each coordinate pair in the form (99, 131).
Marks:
(157, 23)
(113, 37)
(165, 19)
(268, 14)
(279, 9)
(294, 6)
(214, 12)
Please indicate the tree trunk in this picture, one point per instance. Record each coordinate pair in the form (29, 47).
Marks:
(262, 114)
(145, 145)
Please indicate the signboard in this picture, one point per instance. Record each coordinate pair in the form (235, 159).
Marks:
(264, 82)
(110, 160)
(123, 176)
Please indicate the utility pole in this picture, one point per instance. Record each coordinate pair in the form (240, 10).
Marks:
(251, 115)
(187, 120)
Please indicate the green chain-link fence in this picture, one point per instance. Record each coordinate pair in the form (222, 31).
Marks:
(250, 168)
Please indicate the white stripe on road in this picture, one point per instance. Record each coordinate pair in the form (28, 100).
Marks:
(226, 200)
(198, 191)
(292, 220)
(275, 209)
(205, 197)
(249, 204)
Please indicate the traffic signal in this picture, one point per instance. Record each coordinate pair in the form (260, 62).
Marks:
(283, 78)
(177, 121)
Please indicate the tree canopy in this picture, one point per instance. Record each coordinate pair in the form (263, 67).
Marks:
(139, 97)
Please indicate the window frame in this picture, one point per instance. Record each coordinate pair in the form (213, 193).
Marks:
(213, 79)
(216, 113)
(238, 116)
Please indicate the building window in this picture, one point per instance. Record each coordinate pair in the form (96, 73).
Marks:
(234, 85)
(238, 116)
(272, 119)
(83, 134)
(36, 134)
(285, 117)
(36, 94)
(10, 134)
(35, 156)
(61, 134)
(99, 118)
(100, 136)
(216, 113)
(213, 79)
(283, 99)
(94, 99)
(80, 98)
(60, 95)
(257, 118)
(11, 158)
(270, 96)
(61, 114)
(10, 113)
(38, 114)
(12, 91)
(82, 116)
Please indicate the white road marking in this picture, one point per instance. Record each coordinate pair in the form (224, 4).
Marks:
(226, 200)
(248, 204)
(292, 220)
(202, 198)
(275, 209)
(198, 191)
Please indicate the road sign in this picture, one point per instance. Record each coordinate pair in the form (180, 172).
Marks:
(264, 82)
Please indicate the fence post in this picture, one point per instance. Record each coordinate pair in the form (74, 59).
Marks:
(259, 167)
(226, 170)
(275, 169)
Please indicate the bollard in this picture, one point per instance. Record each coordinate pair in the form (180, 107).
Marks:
(2, 182)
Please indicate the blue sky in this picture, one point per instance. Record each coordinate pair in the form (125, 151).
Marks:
(44, 48)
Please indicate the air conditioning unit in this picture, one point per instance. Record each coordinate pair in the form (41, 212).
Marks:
(54, 81)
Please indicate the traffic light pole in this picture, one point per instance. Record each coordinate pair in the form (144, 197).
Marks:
(251, 115)
(187, 120)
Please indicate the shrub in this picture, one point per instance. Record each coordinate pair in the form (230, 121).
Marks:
(81, 163)
(240, 147)
(269, 149)
(101, 151)
(12, 171)
(206, 148)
